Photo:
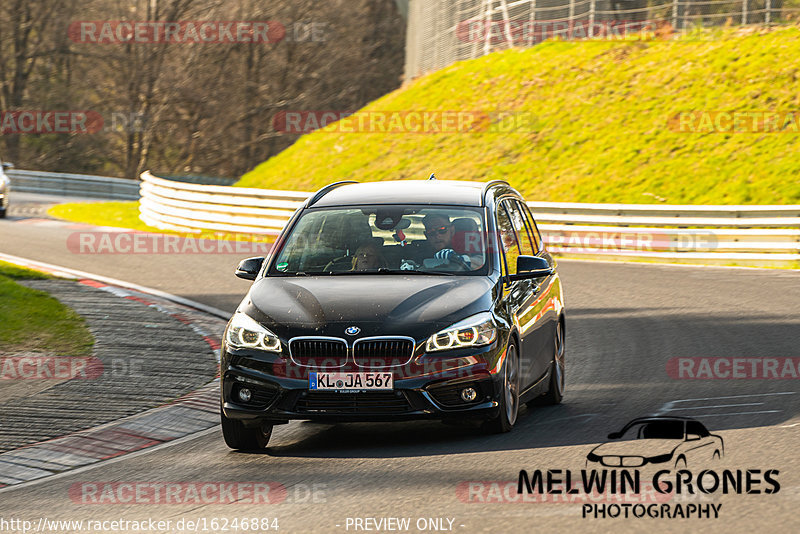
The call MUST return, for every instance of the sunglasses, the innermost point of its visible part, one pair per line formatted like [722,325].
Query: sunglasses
[441,230]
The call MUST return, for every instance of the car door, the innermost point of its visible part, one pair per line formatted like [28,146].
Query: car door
[549,287]
[522,296]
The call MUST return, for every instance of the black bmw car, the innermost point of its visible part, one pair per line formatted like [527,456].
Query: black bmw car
[394,301]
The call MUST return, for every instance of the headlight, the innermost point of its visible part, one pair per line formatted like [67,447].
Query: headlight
[476,331]
[660,459]
[244,333]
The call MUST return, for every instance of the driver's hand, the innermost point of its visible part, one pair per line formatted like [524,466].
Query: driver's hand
[409,265]
[451,255]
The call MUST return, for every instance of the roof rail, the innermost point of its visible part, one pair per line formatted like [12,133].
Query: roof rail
[325,190]
[492,183]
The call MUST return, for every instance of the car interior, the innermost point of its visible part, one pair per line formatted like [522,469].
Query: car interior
[364,239]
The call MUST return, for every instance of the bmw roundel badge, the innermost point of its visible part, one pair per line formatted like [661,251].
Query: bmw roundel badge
[352,330]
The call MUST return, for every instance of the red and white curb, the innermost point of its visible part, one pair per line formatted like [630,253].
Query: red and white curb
[194,412]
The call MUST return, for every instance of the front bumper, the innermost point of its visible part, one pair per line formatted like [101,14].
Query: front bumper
[428,392]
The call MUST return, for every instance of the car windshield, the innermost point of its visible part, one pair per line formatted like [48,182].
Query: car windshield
[385,239]
[656,430]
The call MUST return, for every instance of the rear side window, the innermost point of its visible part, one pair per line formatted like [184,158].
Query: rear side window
[537,239]
[508,240]
[520,227]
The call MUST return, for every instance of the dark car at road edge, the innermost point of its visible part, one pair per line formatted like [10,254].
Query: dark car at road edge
[4,187]
[394,301]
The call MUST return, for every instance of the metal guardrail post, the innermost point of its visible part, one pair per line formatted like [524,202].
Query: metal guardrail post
[675,14]
[768,12]
[744,12]
[571,23]
[591,18]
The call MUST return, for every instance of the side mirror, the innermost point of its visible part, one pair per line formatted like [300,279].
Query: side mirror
[529,267]
[249,268]
[615,435]
[8,165]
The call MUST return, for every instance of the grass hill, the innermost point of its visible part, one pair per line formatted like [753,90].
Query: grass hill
[600,129]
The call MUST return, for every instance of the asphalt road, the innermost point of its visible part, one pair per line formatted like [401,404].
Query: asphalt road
[625,322]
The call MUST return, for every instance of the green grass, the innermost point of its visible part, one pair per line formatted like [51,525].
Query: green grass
[117,214]
[600,130]
[126,215]
[32,320]
[15,272]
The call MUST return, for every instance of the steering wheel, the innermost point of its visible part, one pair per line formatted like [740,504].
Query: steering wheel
[454,260]
[460,263]
[342,263]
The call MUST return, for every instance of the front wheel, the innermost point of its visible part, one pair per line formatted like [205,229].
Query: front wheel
[239,437]
[509,398]
[2,213]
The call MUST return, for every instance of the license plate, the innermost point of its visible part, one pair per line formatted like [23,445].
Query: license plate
[350,381]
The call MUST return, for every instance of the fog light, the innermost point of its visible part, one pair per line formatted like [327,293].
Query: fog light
[245,394]
[468,394]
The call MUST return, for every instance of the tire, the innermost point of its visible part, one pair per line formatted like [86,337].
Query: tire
[680,463]
[555,391]
[3,213]
[509,400]
[239,437]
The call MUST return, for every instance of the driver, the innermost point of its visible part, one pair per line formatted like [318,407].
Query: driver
[439,234]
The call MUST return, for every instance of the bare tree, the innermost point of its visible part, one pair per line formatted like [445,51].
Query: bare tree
[198,108]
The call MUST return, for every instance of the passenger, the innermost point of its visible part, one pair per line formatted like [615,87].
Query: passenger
[369,258]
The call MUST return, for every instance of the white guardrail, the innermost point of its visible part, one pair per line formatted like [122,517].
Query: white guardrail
[764,234]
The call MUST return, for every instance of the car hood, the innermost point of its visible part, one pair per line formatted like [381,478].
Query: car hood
[637,447]
[410,305]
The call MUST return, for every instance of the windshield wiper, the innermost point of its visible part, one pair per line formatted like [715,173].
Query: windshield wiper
[384,270]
